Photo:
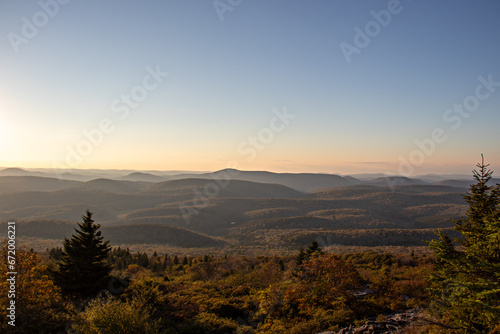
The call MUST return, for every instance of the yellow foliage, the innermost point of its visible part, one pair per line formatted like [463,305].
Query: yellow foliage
[104,316]
[35,293]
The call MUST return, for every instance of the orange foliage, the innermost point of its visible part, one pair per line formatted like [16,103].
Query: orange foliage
[35,293]
[324,281]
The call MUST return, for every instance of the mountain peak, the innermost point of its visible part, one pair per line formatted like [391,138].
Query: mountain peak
[14,171]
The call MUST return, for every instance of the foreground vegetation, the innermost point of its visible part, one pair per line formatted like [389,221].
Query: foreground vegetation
[228,294]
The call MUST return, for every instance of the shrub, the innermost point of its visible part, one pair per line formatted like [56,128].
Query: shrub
[112,316]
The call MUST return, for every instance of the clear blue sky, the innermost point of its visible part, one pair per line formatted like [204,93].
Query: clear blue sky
[225,78]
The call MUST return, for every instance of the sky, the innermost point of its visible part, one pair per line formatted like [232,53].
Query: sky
[400,87]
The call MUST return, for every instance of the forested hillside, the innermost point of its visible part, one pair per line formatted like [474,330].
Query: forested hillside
[236,211]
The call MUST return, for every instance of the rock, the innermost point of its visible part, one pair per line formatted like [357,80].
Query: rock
[394,324]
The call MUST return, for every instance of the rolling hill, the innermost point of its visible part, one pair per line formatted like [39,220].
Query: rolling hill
[230,188]
[14,172]
[144,234]
[222,207]
[392,181]
[143,177]
[113,186]
[465,183]
[21,172]
[16,184]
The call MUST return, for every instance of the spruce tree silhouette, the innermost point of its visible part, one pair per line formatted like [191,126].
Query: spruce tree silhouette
[82,270]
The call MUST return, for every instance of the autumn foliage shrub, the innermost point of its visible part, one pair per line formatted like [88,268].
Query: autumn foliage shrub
[38,303]
[112,316]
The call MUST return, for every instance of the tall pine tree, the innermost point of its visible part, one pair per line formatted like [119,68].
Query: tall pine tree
[466,280]
[82,270]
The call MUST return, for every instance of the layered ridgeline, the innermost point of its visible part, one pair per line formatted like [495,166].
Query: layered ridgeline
[233,207]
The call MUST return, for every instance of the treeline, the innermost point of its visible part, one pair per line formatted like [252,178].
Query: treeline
[371,237]
[122,258]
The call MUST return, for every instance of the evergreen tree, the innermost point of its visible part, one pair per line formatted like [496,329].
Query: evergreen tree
[55,253]
[166,261]
[466,279]
[314,249]
[156,267]
[143,259]
[300,257]
[281,264]
[83,270]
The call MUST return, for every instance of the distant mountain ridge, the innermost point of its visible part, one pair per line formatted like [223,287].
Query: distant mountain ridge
[19,172]
[90,174]
[144,177]
[13,184]
[299,181]
[304,182]
[226,188]
[114,186]
[393,181]
[465,183]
